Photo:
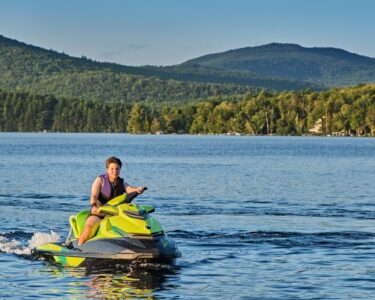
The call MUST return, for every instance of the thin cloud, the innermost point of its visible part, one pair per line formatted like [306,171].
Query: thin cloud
[135,46]
[112,54]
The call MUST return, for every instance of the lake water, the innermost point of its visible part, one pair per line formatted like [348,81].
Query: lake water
[255,217]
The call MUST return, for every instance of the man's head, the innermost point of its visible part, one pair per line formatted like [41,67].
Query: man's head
[113,160]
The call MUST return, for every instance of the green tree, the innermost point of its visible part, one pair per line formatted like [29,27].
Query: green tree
[138,120]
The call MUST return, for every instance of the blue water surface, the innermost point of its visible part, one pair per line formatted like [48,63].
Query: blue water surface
[255,217]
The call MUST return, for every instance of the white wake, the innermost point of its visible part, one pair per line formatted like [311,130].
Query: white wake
[16,247]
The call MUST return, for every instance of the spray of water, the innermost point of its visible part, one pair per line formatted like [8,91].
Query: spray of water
[40,238]
[16,247]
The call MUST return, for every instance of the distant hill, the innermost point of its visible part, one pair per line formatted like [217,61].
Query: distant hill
[274,66]
[30,68]
[324,66]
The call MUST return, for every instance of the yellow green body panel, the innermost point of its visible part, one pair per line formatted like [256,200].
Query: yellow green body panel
[63,260]
[69,261]
[148,208]
[117,200]
[109,210]
[52,247]
[78,221]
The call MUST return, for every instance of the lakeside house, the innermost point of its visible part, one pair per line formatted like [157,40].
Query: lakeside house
[317,128]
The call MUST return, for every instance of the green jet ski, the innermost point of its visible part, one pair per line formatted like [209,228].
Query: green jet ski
[128,233]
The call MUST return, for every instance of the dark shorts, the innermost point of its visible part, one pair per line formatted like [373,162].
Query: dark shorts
[96,215]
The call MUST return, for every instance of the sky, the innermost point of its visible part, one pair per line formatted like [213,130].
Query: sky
[167,32]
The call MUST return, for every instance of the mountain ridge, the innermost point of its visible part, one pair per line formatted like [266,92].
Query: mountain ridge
[327,66]
[274,66]
[32,68]
[278,46]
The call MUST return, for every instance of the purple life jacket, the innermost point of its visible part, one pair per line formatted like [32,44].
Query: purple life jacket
[109,191]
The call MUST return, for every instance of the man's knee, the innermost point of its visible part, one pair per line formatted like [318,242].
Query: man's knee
[92,220]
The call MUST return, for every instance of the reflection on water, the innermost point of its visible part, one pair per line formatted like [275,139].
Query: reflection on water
[118,286]
[118,282]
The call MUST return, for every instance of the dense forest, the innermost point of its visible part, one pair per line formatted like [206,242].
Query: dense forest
[346,111]
[28,68]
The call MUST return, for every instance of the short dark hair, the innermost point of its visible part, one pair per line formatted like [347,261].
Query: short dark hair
[113,159]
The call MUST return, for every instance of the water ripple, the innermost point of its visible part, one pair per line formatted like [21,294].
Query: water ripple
[282,239]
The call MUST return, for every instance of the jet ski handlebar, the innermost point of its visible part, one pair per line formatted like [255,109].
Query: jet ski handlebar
[130,196]
[124,198]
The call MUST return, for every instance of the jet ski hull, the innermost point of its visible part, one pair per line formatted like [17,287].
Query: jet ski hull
[115,250]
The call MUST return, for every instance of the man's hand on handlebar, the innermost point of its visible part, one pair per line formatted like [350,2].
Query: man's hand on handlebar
[141,189]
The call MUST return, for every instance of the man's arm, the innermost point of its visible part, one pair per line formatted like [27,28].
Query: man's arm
[95,190]
[130,189]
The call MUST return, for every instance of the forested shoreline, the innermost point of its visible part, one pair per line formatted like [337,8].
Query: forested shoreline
[344,111]
[235,92]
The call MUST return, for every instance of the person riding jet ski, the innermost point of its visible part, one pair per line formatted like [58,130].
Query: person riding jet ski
[114,231]
[104,188]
